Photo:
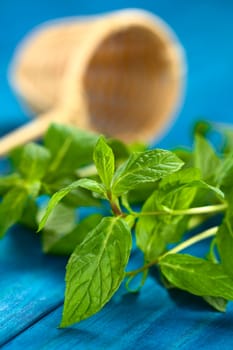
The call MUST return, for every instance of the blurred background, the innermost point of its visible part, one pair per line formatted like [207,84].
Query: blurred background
[205,29]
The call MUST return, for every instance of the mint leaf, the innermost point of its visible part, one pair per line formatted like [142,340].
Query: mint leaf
[9,181]
[202,128]
[11,208]
[225,242]
[58,196]
[144,167]
[96,269]
[181,177]
[33,161]
[78,197]
[224,173]
[228,140]
[141,193]
[104,161]
[61,221]
[81,197]
[63,242]
[220,304]
[120,150]
[215,190]
[205,159]
[186,155]
[70,148]
[154,232]
[29,214]
[197,276]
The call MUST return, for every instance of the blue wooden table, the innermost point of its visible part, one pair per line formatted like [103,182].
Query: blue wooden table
[31,284]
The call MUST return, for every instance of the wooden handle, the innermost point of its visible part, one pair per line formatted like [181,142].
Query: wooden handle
[31,131]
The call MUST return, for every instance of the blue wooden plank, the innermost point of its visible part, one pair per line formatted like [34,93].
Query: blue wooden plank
[150,320]
[31,283]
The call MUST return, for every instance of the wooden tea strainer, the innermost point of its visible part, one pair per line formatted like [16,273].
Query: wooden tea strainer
[120,74]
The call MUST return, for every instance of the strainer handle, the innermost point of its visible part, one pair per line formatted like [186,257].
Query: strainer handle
[31,131]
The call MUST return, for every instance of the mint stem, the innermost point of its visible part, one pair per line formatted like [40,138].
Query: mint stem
[114,204]
[201,236]
[191,211]
[189,242]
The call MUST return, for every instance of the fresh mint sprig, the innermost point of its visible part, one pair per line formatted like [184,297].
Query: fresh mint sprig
[176,191]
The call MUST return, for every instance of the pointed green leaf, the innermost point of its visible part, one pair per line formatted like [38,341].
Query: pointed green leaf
[9,181]
[29,214]
[33,161]
[220,304]
[58,196]
[120,150]
[228,140]
[154,232]
[225,242]
[224,173]
[197,276]
[96,269]
[205,158]
[144,167]
[70,148]
[104,161]
[63,241]
[11,208]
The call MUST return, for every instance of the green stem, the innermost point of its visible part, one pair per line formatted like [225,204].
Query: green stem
[114,203]
[116,209]
[189,242]
[203,235]
[191,211]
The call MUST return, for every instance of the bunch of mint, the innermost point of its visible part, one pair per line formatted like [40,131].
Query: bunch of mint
[173,192]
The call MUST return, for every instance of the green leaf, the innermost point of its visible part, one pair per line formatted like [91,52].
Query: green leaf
[63,242]
[70,148]
[130,220]
[58,196]
[104,161]
[78,197]
[11,208]
[225,242]
[197,276]
[144,167]
[185,155]
[215,190]
[9,181]
[33,161]
[138,147]
[224,173]
[154,232]
[183,177]
[220,304]
[61,221]
[96,269]
[205,159]
[228,140]
[29,214]
[202,127]
[120,150]
[81,197]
